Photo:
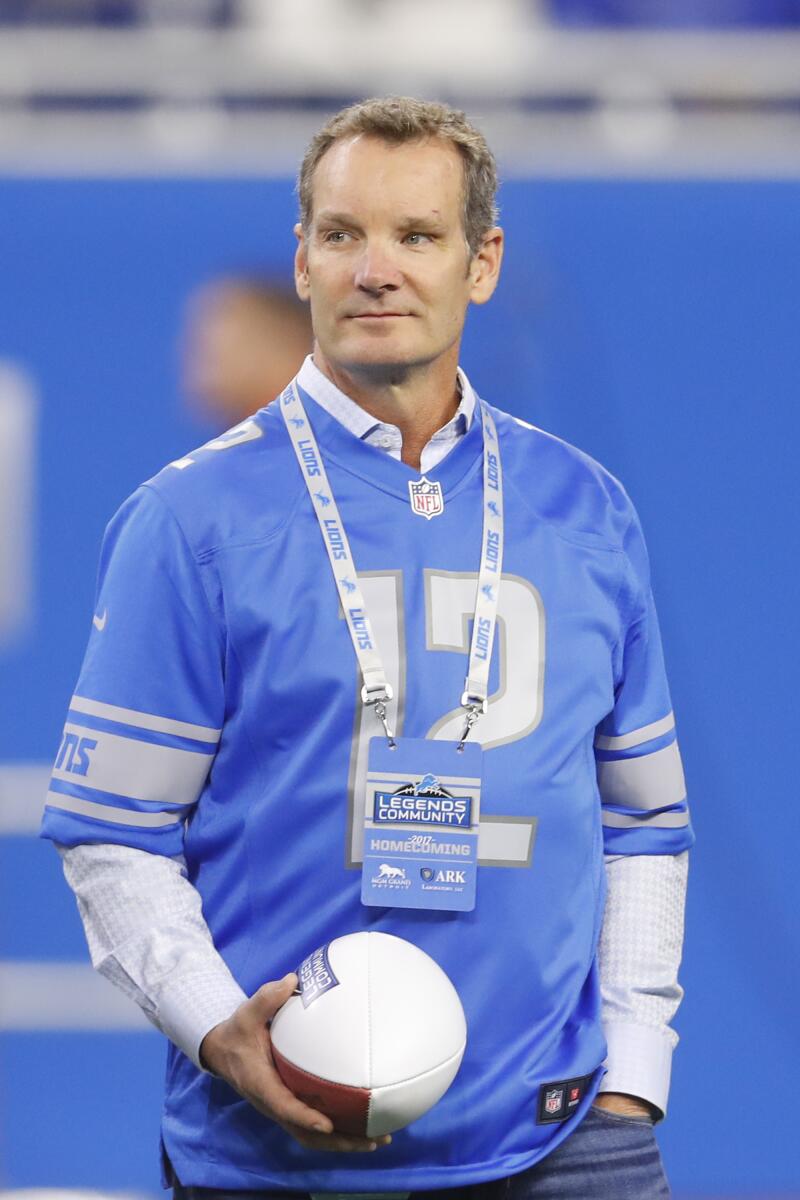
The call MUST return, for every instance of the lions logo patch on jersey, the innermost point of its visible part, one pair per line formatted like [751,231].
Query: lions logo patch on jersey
[427,499]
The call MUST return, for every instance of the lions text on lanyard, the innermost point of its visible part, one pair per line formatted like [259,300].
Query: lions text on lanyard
[414,785]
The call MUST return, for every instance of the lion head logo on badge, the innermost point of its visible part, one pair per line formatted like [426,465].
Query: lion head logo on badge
[428,786]
[426,496]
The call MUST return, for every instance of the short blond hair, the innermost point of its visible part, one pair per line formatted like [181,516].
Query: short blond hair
[399,119]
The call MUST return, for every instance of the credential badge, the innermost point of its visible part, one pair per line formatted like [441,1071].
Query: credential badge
[426,497]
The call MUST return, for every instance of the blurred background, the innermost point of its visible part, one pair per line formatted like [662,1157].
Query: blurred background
[650,152]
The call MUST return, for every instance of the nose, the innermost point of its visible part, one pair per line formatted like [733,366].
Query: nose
[376,271]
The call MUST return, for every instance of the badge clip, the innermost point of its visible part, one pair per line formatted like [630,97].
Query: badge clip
[476,705]
[383,693]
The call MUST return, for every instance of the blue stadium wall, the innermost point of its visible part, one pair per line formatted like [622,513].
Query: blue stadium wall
[655,325]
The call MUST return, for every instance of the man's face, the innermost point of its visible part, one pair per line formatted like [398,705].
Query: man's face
[385,263]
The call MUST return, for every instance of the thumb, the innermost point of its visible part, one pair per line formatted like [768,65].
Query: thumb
[272,996]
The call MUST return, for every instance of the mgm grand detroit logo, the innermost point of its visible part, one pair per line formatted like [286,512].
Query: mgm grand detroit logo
[423,803]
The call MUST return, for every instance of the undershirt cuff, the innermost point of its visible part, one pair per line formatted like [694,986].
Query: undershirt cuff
[639,1062]
[190,1005]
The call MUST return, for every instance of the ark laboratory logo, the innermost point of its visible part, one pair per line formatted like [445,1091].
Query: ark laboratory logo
[443,875]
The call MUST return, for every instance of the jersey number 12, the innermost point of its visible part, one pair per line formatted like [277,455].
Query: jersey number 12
[514,711]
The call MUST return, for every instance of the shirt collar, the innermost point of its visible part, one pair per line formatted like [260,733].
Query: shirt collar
[360,423]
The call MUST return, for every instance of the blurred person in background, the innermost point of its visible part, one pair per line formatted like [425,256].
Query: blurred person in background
[244,339]
[210,794]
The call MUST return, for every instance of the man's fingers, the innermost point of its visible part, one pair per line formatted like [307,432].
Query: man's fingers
[342,1143]
[267,1092]
[307,1125]
[272,996]
[291,1111]
[247,1064]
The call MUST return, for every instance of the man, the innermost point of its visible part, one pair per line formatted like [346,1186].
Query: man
[212,797]
[244,339]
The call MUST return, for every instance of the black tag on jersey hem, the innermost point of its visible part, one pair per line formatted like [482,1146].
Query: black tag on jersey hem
[559,1100]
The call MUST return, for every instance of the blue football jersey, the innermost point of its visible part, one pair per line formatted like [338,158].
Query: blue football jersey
[218,715]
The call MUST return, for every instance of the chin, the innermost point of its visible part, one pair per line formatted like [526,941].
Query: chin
[381,353]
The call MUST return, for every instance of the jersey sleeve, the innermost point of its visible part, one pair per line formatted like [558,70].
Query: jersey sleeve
[639,770]
[144,723]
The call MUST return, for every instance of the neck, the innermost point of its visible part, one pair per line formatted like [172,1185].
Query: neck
[418,400]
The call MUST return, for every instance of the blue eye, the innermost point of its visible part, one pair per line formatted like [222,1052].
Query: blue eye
[415,239]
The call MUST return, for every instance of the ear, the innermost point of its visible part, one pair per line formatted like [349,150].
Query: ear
[301,264]
[484,269]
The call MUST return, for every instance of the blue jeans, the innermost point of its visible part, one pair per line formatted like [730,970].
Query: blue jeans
[608,1157]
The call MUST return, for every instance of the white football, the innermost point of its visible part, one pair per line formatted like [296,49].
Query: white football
[376,1035]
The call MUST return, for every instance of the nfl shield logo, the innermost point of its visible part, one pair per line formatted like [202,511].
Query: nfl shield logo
[553,1100]
[426,498]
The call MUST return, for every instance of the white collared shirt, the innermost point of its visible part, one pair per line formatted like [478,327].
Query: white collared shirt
[379,434]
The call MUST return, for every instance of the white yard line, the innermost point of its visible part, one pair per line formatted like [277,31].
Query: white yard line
[68,997]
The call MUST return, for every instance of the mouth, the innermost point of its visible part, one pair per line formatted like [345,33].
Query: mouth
[377,316]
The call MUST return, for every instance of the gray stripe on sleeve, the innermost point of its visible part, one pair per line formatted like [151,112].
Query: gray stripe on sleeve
[667,820]
[143,720]
[117,816]
[636,736]
[650,781]
[140,770]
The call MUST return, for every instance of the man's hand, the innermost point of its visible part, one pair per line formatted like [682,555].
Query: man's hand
[625,1106]
[239,1051]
